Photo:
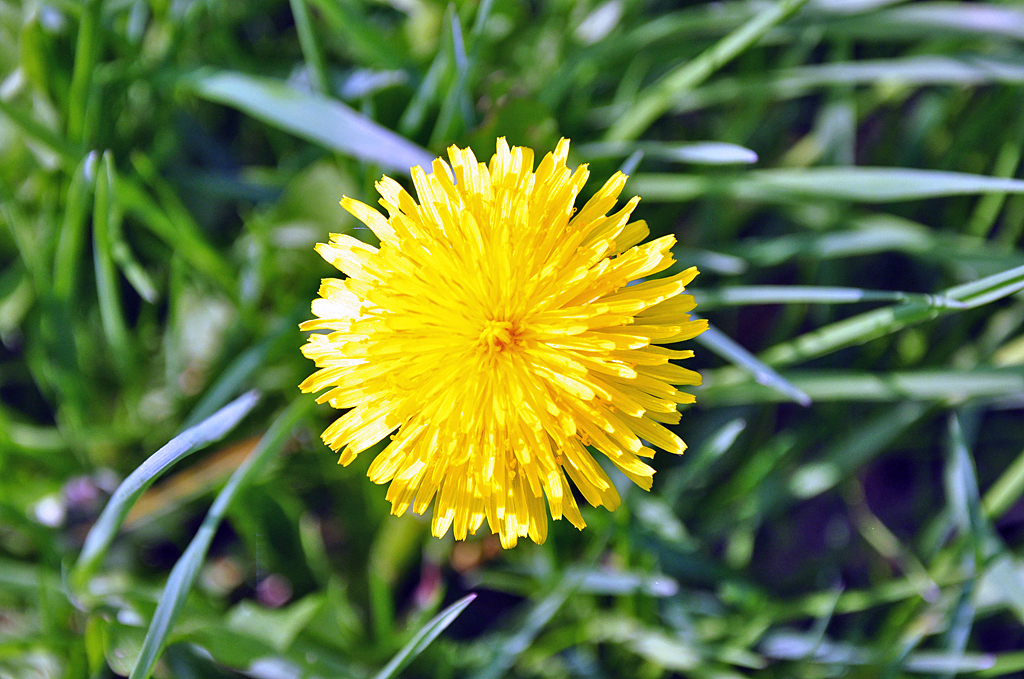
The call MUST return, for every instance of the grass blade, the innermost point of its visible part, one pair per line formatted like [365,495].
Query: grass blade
[182,445]
[424,637]
[809,294]
[539,616]
[183,237]
[658,99]
[310,48]
[698,153]
[855,184]
[841,385]
[1007,489]
[72,230]
[310,116]
[911,71]
[880,322]
[104,223]
[720,343]
[185,571]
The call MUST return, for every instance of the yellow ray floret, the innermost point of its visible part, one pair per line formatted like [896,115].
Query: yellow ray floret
[495,337]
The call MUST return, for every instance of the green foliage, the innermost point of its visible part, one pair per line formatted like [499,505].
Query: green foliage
[845,173]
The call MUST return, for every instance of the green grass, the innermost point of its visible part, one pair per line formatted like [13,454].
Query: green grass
[846,175]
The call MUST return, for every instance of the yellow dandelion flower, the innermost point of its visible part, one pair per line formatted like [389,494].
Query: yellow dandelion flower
[495,333]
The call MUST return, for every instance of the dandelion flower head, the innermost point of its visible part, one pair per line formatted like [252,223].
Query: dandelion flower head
[495,336]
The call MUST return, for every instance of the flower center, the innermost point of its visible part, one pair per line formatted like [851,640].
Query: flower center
[497,336]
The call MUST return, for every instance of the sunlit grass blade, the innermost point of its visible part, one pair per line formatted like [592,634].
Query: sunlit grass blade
[105,529]
[105,216]
[855,184]
[73,228]
[309,116]
[809,294]
[880,322]
[454,103]
[658,98]
[87,46]
[185,571]
[540,614]
[1007,489]
[424,637]
[697,153]
[931,19]
[839,385]
[241,370]
[964,499]
[800,646]
[701,459]
[310,48]
[910,71]
[33,129]
[723,345]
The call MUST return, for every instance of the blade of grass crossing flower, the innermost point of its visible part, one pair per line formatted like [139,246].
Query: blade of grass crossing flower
[855,184]
[72,229]
[723,345]
[185,571]
[880,322]
[424,637]
[105,214]
[310,48]
[309,116]
[657,99]
[105,529]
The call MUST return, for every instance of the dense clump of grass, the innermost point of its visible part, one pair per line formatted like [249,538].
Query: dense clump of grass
[843,172]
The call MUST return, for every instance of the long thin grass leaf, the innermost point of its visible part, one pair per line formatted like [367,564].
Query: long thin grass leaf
[855,184]
[880,322]
[105,214]
[720,343]
[911,71]
[105,529]
[242,368]
[87,46]
[808,294]
[185,571]
[73,227]
[1007,489]
[182,236]
[310,48]
[658,98]
[839,385]
[698,153]
[310,116]
[424,637]
[540,615]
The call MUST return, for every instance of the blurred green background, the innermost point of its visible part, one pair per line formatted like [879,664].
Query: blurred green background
[841,171]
